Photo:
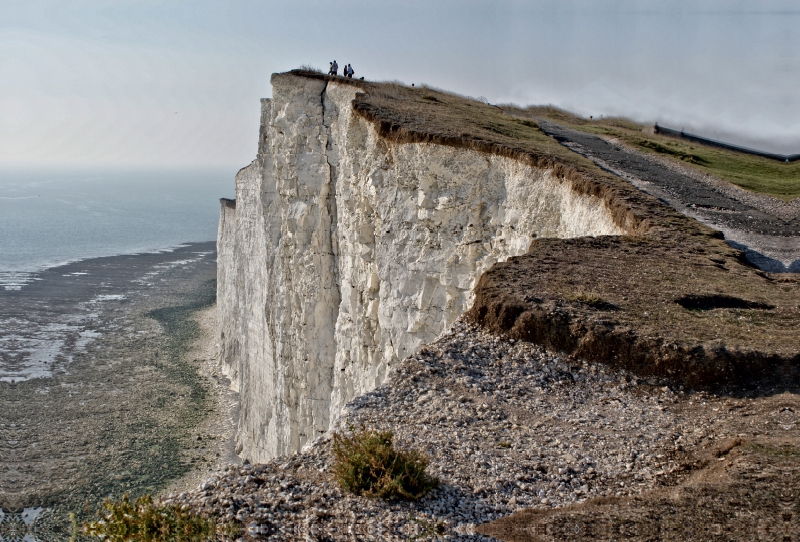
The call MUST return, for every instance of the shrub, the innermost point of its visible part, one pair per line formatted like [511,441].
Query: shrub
[366,463]
[145,521]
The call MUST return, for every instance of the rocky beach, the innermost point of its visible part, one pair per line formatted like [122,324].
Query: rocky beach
[107,385]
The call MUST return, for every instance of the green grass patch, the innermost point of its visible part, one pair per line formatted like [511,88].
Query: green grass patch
[754,173]
[367,463]
[669,149]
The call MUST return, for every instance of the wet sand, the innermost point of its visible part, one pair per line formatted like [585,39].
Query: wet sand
[108,385]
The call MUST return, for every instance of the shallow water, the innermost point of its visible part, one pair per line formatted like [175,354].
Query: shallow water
[95,397]
[49,217]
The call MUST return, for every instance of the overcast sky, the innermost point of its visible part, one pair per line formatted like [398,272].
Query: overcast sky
[177,83]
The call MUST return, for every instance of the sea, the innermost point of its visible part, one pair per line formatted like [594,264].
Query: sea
[49,217]
[80,249]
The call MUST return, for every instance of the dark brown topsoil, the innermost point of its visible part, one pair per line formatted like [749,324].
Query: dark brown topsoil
[691,312]
[742,488]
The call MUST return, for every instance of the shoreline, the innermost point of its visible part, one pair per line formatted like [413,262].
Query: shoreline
[37,270]
[217,432]
[99,395]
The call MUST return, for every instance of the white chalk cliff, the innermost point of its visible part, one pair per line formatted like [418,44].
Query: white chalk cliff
[345,252]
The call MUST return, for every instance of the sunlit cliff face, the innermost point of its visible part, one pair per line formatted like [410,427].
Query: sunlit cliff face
[344,253]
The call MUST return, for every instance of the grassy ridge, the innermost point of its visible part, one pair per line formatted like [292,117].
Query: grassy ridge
[750,172]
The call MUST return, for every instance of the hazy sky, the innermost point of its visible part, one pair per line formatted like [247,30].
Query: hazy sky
[174,83]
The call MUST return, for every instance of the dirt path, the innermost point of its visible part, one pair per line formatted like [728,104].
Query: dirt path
[766,229]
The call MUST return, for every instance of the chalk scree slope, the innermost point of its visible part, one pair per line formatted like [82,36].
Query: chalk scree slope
[345,252]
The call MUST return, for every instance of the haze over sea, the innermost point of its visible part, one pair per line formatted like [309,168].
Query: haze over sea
[80,342]
[50,217]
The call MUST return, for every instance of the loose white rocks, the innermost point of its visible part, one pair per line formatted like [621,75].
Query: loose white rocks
[506,425]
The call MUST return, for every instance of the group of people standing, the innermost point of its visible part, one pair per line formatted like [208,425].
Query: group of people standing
[346,72]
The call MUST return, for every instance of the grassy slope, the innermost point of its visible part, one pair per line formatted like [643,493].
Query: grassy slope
[747,171]
[405,114]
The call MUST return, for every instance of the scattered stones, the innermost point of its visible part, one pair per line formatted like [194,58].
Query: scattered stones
[507,426]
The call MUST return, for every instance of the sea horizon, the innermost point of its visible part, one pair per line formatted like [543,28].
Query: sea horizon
[56,216]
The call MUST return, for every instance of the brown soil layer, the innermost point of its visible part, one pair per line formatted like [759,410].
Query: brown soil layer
[740,489]
[688,311]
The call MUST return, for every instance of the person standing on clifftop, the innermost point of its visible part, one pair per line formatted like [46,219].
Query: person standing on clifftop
[330,68]
[335,68]
[349,71]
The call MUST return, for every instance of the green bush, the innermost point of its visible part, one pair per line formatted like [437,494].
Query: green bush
[145,521]
[366,463]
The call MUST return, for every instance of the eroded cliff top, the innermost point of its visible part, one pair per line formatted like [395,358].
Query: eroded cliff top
[670,300]
[404,114]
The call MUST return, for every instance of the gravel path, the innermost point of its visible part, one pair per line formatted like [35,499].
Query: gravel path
[765,228]
[507,426]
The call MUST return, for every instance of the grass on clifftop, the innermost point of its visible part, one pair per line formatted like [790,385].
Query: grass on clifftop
[754,173]
[403,114]
[407,114]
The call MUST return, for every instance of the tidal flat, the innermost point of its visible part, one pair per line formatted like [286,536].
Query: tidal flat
[101,389]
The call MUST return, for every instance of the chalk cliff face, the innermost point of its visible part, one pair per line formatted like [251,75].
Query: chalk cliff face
[345,252]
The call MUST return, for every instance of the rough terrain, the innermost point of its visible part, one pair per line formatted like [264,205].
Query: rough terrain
[510,427]
[694,313]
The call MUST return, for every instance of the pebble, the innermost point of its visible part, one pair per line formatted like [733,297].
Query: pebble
[506,426]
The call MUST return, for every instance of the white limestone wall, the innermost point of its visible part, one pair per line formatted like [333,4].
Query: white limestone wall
[227,298]
[352,252]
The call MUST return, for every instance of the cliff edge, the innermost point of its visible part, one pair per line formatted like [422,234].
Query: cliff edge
[361,229]
[346,251]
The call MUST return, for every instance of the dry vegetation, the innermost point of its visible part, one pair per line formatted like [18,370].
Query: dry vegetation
[144,520]
[367,463]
